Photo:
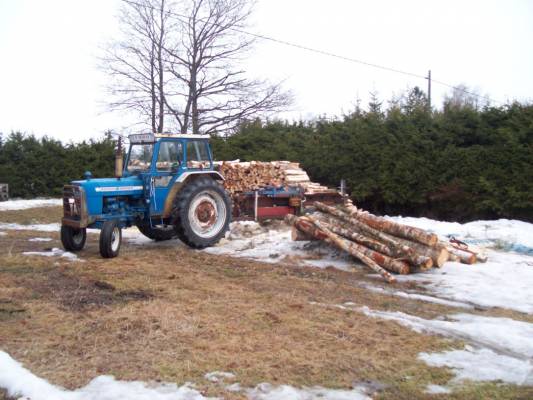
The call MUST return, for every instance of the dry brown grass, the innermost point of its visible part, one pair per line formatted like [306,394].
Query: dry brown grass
[41,215]
[173,314]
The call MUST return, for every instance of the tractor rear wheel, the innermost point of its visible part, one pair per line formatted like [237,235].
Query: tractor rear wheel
[201,213]
[157,234]
[110,239]
[73,239]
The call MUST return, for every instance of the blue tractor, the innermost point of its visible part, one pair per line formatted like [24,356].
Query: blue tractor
[167,187]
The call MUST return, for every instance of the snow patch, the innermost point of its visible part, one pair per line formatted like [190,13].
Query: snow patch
[20,204]
[234,387]
[504,346]
[40,239]
[32,227]
[18,381]
[505,280]
[54,252]
[437,389]
[218,376]
[266,391]
[247,239]
[416,296]
[503,335]
[482,365]
[502,234]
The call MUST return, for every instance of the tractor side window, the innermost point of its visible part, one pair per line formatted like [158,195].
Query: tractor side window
[140,157]
[170,156]
[197,154]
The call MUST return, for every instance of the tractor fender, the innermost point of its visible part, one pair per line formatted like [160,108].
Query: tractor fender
[180,183]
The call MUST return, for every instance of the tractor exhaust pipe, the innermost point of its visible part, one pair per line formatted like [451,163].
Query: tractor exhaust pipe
[119,160]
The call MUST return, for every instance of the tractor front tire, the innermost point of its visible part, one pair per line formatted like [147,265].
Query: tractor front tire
[73,239]
[201,213]
[157,234]
[110,239]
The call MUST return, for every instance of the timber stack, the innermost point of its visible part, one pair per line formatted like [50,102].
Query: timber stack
[253,175]
[383,245]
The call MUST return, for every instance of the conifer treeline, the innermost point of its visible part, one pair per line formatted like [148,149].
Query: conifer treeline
[458,163]
[40,167]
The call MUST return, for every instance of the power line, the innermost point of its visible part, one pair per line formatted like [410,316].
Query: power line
[327,53]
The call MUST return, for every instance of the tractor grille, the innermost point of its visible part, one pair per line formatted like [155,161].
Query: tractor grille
[73,199]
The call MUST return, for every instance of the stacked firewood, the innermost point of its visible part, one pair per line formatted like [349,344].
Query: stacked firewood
[383,245]
[253,175]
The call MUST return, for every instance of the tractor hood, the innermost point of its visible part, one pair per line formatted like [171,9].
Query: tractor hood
[130,185]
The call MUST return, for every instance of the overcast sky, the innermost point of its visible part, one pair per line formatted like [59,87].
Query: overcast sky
[50,84]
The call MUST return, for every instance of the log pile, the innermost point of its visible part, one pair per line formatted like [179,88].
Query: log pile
[253,175]
[383,245]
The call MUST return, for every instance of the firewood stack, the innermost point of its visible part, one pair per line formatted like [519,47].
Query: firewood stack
[384,246]
[253,175]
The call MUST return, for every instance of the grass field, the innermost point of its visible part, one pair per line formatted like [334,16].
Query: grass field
[168,313]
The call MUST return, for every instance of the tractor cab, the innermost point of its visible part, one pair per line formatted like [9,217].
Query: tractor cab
[161,161]
[167,187]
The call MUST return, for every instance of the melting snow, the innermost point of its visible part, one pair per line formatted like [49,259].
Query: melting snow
[40,239]
[482,365]
[53,252]
[505,280]
[25,204]
[416,296]
[266,391]
[218,376]
[504,347]
[18,381]
[33,227]
[502,234]
[249,240]
[437,389]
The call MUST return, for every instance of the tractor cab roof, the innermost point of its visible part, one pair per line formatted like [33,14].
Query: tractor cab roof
[152,137]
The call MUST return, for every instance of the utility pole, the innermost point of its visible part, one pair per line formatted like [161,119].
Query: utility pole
[429,89]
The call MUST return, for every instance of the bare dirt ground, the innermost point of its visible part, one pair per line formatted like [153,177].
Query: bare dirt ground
[168,313]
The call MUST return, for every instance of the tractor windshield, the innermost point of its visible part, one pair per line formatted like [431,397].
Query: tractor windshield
[140,157]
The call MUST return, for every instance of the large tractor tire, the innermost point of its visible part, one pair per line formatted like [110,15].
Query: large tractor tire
[157,234]
[73,239]
[110,239]
[201,213]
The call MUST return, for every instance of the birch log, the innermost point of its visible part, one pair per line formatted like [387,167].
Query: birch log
[392,249]
[464,257]
[312,227]
[400,249]
[438,254]
[393,228]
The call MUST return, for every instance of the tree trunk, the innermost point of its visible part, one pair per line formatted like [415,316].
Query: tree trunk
[314,228]
[400,230]
[392,250]
[161,99]
[400,249]
[300,236]
[439,255]
[465,257]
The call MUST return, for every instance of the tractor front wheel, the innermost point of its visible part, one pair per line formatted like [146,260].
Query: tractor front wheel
[202,213]
[110,239]
[73,239]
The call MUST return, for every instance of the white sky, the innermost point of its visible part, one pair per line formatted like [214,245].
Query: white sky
[49,83]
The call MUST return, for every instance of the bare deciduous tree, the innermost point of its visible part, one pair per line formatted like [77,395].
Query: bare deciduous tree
[215,93]
[136,63]
[179,66]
